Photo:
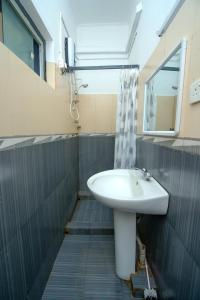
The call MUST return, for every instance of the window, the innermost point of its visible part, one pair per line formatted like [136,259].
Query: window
[1,24]
[21,36]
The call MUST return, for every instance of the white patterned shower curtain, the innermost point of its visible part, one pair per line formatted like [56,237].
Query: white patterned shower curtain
[151,107]
[125,141]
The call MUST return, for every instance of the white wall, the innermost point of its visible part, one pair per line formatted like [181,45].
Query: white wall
[93,39]
[105,43]
[94,42]
[153,15]
[49,11]
[97,38]
[100,81]
[164,81]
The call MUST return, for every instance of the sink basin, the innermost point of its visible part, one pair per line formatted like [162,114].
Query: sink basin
[127,190]
[128,193]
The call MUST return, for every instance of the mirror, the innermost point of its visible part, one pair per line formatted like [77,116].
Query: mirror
[163,95]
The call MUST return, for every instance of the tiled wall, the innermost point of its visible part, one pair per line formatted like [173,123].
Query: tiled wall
[97,113]
[173,241]
[96,154]
[38,186]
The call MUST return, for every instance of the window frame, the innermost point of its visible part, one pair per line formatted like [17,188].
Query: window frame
[30,25]
[1,23]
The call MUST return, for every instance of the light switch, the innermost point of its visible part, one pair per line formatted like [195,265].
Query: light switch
[195,92]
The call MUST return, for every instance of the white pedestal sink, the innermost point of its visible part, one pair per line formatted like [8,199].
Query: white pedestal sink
[128,193]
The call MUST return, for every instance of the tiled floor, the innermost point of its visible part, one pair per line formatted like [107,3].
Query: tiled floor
[85,270]
[91,217]
[85,265]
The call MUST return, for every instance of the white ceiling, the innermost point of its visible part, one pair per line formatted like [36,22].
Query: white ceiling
[102,11]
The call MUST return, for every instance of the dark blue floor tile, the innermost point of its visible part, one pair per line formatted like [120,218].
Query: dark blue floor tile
[91,217]
[85,268]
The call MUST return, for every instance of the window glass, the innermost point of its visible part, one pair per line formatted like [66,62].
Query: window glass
[18,38]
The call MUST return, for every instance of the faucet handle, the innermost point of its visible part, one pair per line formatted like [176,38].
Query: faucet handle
[147,176]
[144,170]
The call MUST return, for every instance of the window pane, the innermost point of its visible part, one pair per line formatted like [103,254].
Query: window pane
[36,49]
[1,24]
[16,35]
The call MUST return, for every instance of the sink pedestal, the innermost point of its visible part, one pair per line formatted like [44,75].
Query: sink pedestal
[125,243]
[127,193]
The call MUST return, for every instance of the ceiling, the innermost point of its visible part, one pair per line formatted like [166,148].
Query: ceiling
[102,11]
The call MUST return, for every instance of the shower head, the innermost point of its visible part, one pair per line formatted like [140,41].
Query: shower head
[81,86]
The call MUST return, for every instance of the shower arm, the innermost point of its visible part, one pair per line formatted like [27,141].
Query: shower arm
[77,90]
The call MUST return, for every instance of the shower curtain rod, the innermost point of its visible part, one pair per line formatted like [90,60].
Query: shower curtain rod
[103,67]
[173,69]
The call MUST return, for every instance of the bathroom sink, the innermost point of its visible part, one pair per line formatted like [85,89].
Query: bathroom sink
[128,193]
[127,190]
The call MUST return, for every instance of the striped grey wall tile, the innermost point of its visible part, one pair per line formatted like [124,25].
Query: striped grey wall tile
[97,134]
[38,190]
[96,154]
[173,241]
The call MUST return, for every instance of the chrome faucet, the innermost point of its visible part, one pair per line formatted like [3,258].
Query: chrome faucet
[146,175]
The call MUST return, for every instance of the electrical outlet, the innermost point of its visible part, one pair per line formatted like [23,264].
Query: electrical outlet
[195,92]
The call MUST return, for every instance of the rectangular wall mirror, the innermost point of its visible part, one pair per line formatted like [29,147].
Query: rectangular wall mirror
[163,95]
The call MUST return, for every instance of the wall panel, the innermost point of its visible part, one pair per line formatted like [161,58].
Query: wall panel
[38,190]
[173,240]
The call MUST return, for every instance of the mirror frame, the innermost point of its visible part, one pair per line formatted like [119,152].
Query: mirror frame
[183,46]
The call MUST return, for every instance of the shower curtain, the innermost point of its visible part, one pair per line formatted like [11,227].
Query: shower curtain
[125,141]
[151,107]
